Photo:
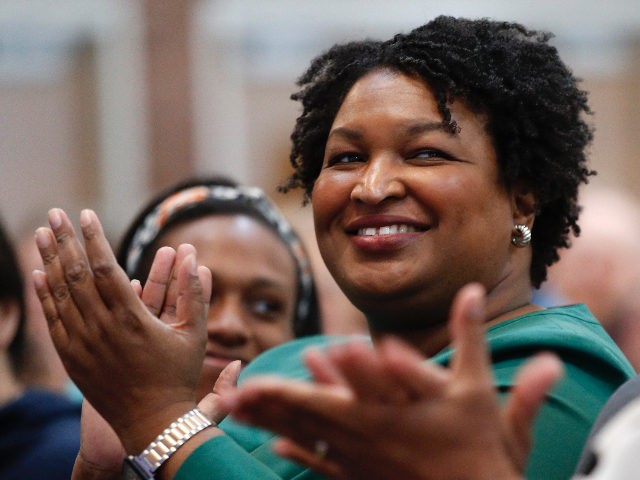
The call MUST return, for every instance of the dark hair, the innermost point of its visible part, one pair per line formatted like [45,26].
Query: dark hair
[12,290]
[535,110]
[197,197]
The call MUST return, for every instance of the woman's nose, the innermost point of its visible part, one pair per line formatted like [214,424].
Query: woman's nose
[378,181]
[226,323]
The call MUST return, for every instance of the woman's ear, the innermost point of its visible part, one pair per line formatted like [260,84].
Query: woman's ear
[9,321]
[523,204]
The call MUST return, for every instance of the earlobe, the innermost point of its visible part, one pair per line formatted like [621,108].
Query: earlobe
[9,321]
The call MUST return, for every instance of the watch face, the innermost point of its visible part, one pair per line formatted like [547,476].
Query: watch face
[133,470]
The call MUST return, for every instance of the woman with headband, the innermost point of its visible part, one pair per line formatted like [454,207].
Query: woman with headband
[263,292]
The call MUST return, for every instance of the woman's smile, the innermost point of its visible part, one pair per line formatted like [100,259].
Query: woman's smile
[384,233]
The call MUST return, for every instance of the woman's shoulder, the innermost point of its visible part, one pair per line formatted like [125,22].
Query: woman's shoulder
[571,331]
[565,323]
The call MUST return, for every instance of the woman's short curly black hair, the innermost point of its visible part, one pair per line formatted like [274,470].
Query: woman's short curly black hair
[512,75]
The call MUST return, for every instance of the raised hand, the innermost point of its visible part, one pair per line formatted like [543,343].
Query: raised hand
[387,413]
[137,370]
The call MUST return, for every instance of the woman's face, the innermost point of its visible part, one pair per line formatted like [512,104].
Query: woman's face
[254,288]
[405,211]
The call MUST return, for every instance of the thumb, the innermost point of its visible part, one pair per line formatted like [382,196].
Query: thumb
[533,382]
[211,405]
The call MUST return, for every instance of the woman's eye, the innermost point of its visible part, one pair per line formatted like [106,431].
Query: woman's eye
[265,308]
[429,154]
[345,158]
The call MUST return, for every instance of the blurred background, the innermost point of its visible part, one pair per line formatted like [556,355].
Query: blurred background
[103,102]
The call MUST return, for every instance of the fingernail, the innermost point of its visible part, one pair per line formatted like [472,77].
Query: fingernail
[476,304]
[85,218]
[38,278]
[55,220]
[193,268]
[42,238]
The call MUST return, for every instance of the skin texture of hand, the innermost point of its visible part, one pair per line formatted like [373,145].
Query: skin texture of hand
[101,452]
[388,414]
[137,369]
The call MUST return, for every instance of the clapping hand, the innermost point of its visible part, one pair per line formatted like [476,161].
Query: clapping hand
[138,366]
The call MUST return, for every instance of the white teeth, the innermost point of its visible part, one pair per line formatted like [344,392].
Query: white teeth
[386,230]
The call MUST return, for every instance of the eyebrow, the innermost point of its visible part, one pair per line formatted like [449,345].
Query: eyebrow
[415,128]
[262,282]
[255,282]
[424,127]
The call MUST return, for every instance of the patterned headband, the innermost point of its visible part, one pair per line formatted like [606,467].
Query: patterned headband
[252,197]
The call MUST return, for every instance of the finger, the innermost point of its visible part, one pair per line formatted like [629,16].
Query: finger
[54,321]
[137,287]
[204,275]
[212,405]
[110,279]
[417,377]
[533,382]
[173,289]
[276,404]
[192,306]
[471,359]
[322,369]
[289,449]
[362,368]
[227,381]
[67,272]
[155,288]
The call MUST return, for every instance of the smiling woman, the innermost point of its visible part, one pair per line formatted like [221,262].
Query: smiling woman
[447,156]
[391,165]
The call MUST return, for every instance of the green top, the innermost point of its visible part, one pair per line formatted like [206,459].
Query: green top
[594,367]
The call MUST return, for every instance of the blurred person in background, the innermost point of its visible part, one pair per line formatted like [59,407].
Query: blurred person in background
[263,291]
[40,428]
[602,267]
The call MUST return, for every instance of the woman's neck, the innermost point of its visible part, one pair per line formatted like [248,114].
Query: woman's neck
[432,338]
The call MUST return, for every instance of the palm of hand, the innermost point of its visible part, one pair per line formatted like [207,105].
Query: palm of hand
[139,371]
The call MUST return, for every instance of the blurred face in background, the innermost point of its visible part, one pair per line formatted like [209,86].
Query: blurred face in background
[254,292]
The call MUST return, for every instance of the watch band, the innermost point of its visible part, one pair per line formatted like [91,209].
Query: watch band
[172,438]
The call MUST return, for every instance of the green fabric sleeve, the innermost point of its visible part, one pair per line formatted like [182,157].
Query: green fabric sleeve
[222,458]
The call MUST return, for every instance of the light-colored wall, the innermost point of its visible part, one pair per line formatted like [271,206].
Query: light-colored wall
[79,138]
